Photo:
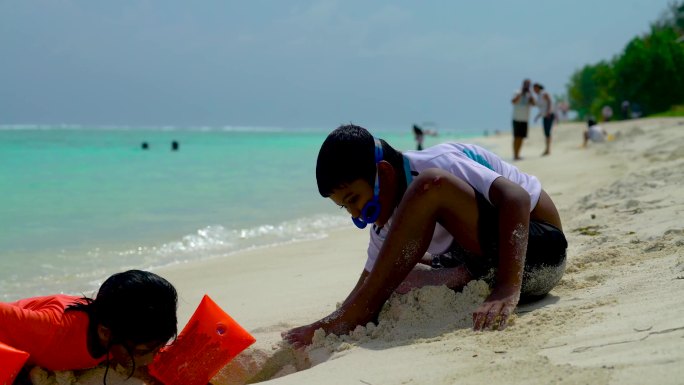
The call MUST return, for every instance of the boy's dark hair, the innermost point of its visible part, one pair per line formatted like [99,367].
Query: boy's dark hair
[591,122]
[348,154]
[541,87]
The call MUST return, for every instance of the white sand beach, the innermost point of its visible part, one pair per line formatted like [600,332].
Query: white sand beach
[617,317]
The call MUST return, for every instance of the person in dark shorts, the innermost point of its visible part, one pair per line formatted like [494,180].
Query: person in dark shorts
[545,105]
[522,101]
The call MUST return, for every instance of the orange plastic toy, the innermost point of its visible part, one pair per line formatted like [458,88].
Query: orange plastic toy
[11,362]
[207,343]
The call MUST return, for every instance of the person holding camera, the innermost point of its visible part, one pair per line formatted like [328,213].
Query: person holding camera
[522,101]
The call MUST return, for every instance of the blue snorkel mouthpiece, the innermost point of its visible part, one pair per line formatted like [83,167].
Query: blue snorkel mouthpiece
[369,214]
[371,210]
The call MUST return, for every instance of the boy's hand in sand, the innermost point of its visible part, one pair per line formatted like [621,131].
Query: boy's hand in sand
[301,336]
[496,309]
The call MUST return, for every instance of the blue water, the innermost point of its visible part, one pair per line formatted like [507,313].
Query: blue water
[79,203]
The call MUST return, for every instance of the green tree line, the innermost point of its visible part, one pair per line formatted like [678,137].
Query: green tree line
[649,73]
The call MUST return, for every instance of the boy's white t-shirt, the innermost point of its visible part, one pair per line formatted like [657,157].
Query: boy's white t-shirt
[472,163]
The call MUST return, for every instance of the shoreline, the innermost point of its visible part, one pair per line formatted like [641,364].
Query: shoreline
[211,276]
[85,229]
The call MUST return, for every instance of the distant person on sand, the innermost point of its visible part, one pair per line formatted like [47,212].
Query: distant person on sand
[419,135]
[625,109]
[545,106]
[607,113]
[451,200]
[562,109]
[522,101]
[174,146]
[144,146]
[130,319]
[594,133]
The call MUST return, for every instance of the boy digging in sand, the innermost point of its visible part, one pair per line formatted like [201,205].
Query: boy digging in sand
[480,217]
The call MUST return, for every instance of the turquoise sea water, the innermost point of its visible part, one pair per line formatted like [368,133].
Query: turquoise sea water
[79,203]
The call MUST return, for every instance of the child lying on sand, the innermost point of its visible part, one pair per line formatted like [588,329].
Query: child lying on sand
[130,319]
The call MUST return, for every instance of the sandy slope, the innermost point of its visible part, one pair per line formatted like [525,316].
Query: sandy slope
[617,315]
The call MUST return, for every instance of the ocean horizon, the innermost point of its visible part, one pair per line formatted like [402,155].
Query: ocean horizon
[82,202]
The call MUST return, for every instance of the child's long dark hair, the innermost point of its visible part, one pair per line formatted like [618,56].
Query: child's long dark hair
[138,307]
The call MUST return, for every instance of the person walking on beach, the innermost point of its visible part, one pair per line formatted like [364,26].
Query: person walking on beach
[478,216]
[419,136]
[522,101]
[545,106]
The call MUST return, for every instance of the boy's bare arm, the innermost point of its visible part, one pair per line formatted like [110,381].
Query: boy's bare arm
[302,335]
[513,204]
[360,282]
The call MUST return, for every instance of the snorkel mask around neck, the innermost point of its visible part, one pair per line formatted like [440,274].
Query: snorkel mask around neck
[371,210]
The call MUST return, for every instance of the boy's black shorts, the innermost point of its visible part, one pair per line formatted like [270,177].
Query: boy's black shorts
[544,262]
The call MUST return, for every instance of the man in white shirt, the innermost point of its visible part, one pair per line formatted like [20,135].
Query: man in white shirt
[522,101]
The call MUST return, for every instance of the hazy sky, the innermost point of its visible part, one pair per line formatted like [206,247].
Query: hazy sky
[297,64]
